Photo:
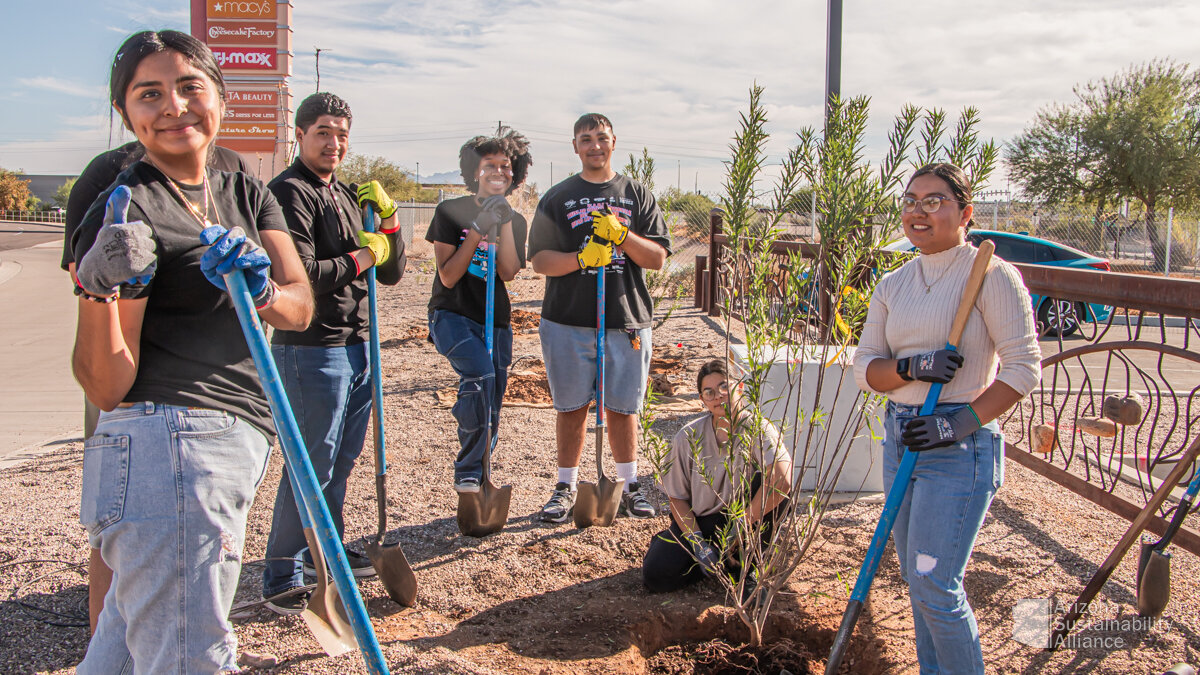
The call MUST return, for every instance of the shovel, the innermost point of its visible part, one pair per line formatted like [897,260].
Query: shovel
[389,562]
[314,513]
[1154,563]
[895,497]
[596,503]
[484,512]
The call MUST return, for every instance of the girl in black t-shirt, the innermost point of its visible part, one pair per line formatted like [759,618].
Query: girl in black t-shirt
[171,471]
[460,230]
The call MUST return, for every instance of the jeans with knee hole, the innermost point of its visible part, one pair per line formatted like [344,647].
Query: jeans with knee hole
[166,492]
[329,389]
[935,530]
[482,382]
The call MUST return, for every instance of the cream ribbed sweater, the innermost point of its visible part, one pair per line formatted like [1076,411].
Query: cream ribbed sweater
[905,320]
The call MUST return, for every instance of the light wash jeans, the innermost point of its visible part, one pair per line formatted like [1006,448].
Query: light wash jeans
[329,389]
[935,530]
[166,491]
[481,382]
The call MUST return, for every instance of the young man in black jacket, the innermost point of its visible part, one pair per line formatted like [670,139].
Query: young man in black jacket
[325,368]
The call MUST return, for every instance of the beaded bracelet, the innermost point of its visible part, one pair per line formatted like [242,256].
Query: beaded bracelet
[102,299]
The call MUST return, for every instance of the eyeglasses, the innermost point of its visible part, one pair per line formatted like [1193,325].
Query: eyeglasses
[930,204]
[708,393]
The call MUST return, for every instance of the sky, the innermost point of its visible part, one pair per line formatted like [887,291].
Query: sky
[423,77]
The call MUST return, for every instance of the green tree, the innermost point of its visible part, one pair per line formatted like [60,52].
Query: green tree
[14,191]
[1135,135]
[641,169]
[395,179]
[63,193]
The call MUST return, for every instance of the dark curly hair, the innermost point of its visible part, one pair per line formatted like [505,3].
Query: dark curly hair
[506,142]
[321,103]
[955,178]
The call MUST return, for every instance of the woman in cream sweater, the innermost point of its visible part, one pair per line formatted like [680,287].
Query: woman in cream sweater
[961,464]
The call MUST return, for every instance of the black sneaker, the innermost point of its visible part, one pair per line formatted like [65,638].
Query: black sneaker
[558,509]
[288,603]
[468,485]
[360,565]
[635,505]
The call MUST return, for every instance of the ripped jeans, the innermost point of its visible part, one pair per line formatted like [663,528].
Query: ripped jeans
[166,492]
[481,382]
[935,530]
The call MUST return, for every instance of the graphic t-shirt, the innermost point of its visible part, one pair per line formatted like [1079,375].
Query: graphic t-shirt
[193,351]
[450,223]
[563,223]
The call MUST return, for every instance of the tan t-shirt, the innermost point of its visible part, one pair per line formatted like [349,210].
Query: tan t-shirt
[699,471]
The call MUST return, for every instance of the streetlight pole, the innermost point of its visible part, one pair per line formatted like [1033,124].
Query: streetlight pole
[833,57]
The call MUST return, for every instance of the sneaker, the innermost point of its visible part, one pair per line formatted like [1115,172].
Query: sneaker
[360,565]
[468,485]
[558,509]
[635,505]
[288,603]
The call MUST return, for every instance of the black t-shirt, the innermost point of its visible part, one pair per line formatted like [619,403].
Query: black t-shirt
[103,170]
[324,220]
[193,351]
[563,223]
[450,222]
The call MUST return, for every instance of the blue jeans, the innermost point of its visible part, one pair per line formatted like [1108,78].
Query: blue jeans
[481,383]
[166,492]
[935,530]
[329,389]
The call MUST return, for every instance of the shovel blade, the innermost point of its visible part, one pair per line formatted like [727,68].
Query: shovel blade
[484,512]
[393,569]
[325,614]
[597,503]
[1154,588]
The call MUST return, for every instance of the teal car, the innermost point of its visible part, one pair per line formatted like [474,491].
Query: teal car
[1057,317]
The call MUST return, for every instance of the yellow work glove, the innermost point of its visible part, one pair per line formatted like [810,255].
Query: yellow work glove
[606,225]
[373,193]
[381,250]
[595,254]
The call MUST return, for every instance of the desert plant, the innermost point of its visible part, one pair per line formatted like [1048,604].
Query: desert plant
[859,212]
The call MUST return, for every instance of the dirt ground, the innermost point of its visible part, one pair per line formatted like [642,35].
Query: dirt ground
[551,599]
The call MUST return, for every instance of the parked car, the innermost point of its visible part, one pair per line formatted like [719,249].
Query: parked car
[1057,316]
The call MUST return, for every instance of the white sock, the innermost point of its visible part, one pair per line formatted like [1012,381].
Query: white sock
[569,475]
[627,471]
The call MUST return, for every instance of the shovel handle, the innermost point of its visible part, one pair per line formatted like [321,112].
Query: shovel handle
[376,360]
[311,504]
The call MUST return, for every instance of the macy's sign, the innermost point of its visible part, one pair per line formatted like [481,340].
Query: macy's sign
[242,8]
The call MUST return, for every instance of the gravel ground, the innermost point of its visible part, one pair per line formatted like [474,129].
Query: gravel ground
[541,598]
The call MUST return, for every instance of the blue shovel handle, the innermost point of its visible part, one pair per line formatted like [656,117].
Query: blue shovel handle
[312,505]
[600,328]
[376,361]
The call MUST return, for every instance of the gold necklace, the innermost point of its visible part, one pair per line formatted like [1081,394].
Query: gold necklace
[177,190]
[921,271]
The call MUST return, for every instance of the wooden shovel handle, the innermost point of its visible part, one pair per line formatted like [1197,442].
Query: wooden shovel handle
[983,257]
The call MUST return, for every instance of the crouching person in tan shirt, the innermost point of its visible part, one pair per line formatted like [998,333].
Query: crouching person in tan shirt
[704,469]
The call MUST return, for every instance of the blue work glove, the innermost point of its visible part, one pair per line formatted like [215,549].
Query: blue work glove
[495,211]
[928,432]
[936,366]
[230,250]
[706,556]
[121,255]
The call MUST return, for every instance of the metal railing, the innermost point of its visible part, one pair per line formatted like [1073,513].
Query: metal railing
[33,216]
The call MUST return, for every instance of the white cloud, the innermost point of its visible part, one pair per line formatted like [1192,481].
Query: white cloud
[59,85]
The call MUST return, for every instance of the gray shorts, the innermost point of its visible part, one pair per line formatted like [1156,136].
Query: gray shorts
[570,355]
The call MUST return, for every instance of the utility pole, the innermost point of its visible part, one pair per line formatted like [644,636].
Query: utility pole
[418,174]
[318,60]
[696,185]
[833,56]
[552,173]
[678,176]
[499,127]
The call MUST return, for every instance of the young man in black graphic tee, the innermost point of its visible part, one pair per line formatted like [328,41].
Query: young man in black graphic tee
[597,220]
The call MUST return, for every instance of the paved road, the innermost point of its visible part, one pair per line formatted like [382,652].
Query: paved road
[41,405]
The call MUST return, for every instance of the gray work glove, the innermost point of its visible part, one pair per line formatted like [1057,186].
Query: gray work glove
[939,430]
[936,366]
[707,556]
[495,211]
[123,252]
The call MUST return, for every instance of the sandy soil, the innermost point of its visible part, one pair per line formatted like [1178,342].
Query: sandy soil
[539,598]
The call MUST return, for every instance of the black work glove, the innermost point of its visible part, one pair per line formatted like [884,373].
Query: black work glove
[939,430]
[707,556]
[495,211]
[936,366]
